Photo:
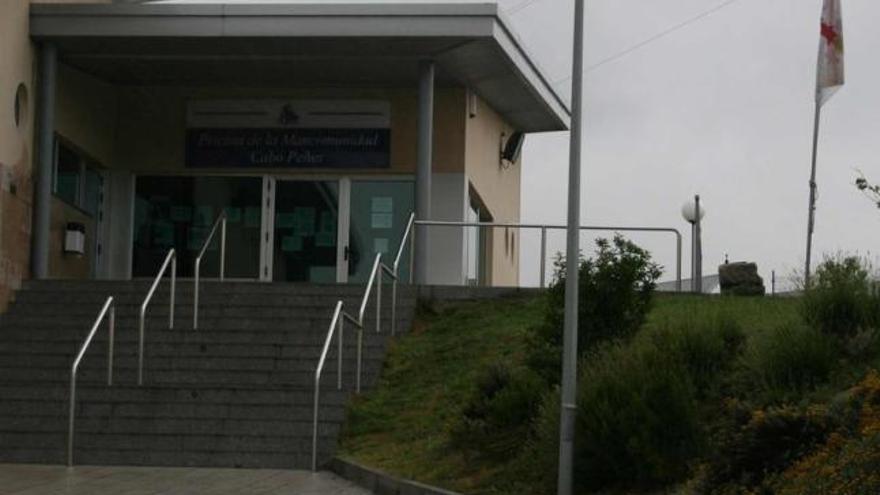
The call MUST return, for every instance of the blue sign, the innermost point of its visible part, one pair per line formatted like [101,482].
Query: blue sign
[288,148]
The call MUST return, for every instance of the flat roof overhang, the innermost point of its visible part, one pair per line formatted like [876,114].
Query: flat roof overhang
[286,44]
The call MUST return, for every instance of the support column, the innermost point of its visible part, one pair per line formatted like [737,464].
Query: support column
[423,167]
[45,157]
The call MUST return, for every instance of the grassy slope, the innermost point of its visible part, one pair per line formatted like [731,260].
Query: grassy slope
[403,426]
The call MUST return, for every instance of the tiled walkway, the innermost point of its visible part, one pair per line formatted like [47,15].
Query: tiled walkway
[22,479]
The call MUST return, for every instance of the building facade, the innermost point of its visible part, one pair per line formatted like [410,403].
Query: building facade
[127,129]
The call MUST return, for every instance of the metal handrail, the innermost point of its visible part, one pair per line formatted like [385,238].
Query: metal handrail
[221,221]
[170,258]
[337,322]
[339,316]
[108,305]
[544,228]
[395,267]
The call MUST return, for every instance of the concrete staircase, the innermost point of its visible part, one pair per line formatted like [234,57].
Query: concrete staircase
[237,392]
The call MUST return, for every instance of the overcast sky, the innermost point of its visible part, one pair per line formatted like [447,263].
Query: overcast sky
[722,107]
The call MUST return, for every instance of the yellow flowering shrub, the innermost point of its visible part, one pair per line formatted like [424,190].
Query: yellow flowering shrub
[848,462]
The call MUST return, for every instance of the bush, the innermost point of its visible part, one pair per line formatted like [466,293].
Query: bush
[704,345]
[498,416]
[536,468]
[748,445]
[849,460]
[853,467]
[637,419]
[841,299]
[789,361]
[615,291]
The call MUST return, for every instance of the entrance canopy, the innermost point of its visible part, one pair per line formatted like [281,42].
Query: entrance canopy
[305,44]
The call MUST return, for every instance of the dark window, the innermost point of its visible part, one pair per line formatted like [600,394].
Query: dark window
[77,181]
[67,175]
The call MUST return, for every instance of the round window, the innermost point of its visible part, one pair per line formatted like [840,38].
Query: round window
[21,105]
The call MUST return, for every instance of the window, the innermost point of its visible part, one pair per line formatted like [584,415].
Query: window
[21,106]
[476,239]
[77,180]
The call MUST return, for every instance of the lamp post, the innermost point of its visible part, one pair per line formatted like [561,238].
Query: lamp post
[693,213]
[568,407]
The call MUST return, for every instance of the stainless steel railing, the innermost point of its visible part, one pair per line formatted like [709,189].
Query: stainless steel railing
[221,221]
[110,306]
[545,228]
[337,329]
[172,259]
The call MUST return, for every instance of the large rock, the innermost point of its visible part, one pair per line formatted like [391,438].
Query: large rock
[740,279]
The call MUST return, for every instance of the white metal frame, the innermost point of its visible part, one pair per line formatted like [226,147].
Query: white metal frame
[110,306]
[170,258]
[337,322]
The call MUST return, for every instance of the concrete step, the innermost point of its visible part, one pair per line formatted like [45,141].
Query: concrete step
[185,286]
[171,443]
[206,394]
[108,457]
[34,351]
[124,362]
[161,298]
[188,377]
[256,322]
[290,312]
[172,417]
[238,392]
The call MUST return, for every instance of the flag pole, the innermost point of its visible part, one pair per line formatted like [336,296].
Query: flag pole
[811,212]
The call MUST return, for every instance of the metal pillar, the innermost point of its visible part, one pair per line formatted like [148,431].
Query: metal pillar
[423,167]
[698,250]
[46,155]
[568,407]
[811,210]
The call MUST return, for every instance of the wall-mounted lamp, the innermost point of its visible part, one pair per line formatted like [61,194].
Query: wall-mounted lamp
[511,148]
[75,238]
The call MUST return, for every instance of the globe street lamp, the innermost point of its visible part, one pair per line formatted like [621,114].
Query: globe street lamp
[693,212]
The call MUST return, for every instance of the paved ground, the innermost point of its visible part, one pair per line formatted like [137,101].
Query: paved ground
[25,479]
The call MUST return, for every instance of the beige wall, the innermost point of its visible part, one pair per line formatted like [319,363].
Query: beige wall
[152,126]
[63,265]
[86,113]
[497,187]
[85,118]
[16,148]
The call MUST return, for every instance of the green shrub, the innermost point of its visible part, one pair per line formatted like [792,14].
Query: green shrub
[853,468]
[841,298]
[614,291]
[498,415]
[704,344]
[747,446]
[536,468]
[637,419]
[789,361]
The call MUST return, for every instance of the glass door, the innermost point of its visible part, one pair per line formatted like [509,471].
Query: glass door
[179,212]
[306,224]
[380,211]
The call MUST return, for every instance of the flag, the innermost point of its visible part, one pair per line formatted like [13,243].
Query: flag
[830,73]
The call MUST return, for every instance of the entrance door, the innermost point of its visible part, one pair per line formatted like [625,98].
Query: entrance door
[305,245]
[380,210]
[179,212]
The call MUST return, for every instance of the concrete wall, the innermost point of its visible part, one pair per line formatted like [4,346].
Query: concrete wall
[16,147]
[497,187]
[448,203]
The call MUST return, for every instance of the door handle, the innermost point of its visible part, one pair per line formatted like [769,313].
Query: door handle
[345,253]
